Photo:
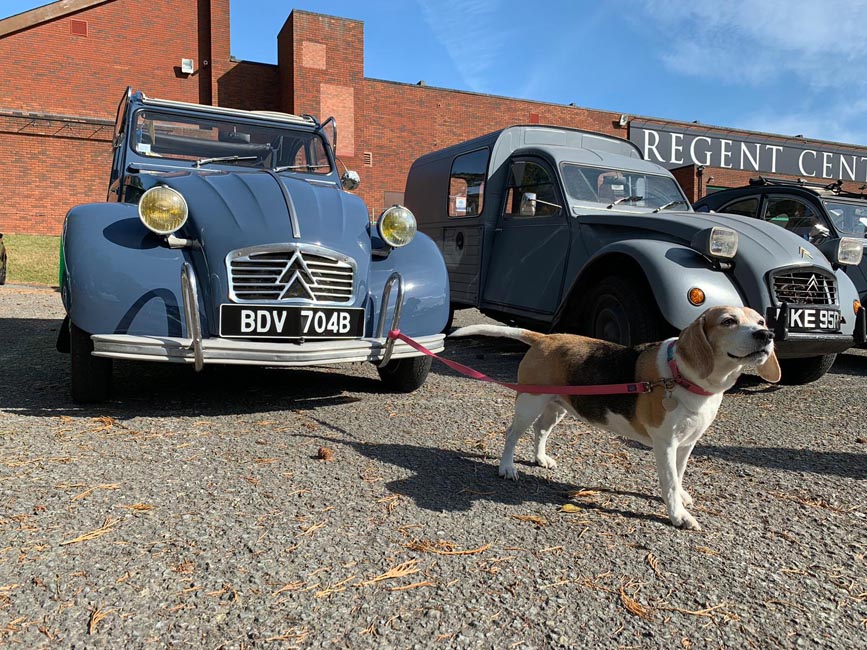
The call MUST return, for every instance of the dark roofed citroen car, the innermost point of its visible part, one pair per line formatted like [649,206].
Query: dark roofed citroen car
[819,212]
[567,230]
[227,238]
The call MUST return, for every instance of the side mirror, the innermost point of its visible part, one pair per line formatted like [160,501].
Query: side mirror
[528,204]
[819,233]
[350,180]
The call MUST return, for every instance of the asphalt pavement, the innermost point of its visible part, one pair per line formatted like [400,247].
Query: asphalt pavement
[272,508]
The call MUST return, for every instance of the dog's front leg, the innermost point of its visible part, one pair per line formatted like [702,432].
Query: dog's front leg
[669,482]
[683,454]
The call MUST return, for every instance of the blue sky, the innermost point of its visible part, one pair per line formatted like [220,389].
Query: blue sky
[780,66]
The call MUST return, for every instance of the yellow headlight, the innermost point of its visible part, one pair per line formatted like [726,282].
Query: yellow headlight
[397,226]
[162,210]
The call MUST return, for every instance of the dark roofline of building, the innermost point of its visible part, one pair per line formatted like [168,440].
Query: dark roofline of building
[45,13]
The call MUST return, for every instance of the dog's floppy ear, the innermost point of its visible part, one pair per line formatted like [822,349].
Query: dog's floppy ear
[695,349]
[770,369]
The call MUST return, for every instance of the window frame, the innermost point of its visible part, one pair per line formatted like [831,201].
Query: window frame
[481,194]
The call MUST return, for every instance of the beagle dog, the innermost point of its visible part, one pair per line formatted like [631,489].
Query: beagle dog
[688,376]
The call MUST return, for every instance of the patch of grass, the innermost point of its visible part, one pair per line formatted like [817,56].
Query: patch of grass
[33,259]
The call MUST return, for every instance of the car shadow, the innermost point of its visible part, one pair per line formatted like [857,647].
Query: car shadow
[35,382]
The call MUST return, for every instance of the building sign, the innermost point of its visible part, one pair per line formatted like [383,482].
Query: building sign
[670,147]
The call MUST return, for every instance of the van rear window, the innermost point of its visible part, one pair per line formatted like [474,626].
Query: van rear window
[467,183]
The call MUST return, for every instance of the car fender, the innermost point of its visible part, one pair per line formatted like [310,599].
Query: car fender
[118,277]
[425,283]
[847,295]
[671,271]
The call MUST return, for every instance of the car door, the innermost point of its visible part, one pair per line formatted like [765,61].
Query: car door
[530,249]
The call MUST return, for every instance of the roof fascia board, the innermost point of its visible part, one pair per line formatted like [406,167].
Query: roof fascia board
[45,13]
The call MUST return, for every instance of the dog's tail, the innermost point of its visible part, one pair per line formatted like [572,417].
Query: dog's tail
[525,336]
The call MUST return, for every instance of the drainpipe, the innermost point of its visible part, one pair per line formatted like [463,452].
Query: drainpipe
[699,172]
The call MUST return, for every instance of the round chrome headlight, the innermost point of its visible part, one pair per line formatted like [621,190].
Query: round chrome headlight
[396,226]
[163,210]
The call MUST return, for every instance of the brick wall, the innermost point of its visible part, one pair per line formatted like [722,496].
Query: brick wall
[48,165]
[72,71]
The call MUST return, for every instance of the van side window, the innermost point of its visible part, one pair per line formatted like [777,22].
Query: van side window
[467,184]
[526,176]
[746,207]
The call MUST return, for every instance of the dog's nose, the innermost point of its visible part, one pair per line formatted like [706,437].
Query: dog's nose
[765,336]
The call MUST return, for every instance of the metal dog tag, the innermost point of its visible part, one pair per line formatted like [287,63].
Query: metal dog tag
[669,403]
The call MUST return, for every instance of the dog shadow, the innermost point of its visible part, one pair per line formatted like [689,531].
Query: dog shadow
[444,480]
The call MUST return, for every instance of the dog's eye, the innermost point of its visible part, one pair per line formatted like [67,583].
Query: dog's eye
[729,322]
[761,322]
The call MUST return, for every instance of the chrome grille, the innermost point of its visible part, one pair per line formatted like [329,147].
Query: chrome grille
[290,273]
[805,288]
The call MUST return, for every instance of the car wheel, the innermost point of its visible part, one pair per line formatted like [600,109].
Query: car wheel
[795,372]
[622,311]
[91,376]
[451,319]
[405,375]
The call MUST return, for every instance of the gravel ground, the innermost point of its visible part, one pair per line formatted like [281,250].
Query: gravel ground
[260,508]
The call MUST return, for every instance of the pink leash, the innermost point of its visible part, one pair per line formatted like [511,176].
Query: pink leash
[602,389]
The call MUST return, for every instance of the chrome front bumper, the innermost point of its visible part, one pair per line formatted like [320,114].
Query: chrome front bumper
[198,351]
[233,351]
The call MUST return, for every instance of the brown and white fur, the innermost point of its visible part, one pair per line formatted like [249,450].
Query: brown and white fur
[711,353]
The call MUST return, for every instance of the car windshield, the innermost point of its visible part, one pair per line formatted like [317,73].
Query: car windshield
[206,141]
[850,219]
[615,187]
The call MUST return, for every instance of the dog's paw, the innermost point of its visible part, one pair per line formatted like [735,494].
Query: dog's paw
[685,497]
[546,461]
[685,521]
[509,471]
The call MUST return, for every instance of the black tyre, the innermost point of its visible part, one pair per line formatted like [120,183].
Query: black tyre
[451,319]
[91,376]
[405,375]
[624,311]
[796,372]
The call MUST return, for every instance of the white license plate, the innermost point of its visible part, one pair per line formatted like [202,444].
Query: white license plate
[279,322]
[813,319]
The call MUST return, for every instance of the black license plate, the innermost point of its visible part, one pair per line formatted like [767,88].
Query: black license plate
[278,322]
[813,319]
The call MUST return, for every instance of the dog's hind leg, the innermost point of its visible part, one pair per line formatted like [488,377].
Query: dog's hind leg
[528,408]
[549,419]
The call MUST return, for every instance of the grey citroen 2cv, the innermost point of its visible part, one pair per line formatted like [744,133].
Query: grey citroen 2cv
[567,230]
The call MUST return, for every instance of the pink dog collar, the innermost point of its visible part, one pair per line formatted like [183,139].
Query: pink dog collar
[679,379]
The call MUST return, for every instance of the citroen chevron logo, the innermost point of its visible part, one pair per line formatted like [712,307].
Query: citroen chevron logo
[813,284]
[804,252]
[297,273]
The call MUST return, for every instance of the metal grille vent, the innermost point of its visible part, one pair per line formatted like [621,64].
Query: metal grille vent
[805,288]
[290,274]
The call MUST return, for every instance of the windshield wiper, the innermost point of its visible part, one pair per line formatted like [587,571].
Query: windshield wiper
[626,199]
[669,204]
[207,161]
[286,168]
